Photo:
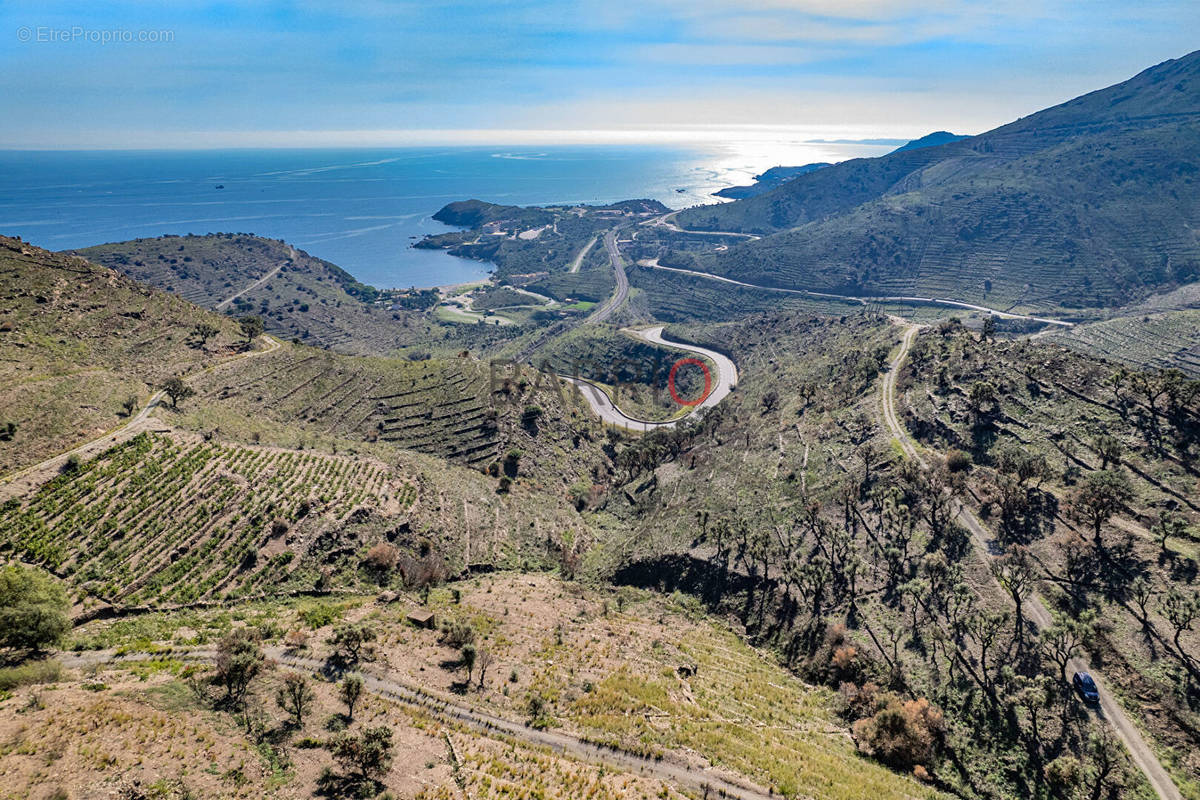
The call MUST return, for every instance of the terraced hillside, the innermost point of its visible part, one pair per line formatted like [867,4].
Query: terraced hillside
[678,297]
[1085,205]
[174,519]
[789,509]
[606,664]
[298,296]
[442,407]
[77,340]
[1149,341]
[740,719]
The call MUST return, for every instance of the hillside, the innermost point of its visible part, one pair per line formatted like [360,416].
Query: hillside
[298,296]
[777,176]
[209,519]
[479,460]
[786,513]
[635,372]
[77,340]
[791,510]
[578,654]
[1088,204]
[1166,339]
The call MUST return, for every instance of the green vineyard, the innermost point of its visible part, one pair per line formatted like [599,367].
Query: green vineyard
[158,519]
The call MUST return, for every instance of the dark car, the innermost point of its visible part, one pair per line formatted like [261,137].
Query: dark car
[1086,687]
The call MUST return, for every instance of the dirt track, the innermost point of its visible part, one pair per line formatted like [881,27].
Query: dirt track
[1035,609]
[26,480]
[389,687]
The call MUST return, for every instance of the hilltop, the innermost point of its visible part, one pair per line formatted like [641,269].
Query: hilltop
[777,176]
[930,140]
[1086,205]
[78,340]
[298,296]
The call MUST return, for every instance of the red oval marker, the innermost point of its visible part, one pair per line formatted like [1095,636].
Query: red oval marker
[671,381]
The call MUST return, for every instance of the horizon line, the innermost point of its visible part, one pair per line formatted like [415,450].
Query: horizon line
[716,134]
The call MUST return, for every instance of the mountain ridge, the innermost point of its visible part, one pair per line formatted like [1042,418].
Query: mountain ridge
[1088,204]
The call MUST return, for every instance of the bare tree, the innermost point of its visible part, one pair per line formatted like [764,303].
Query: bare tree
[350,690]
[1169,525]
[295,696]
[1141,592]
[484,660]
[1017,572]
[1100,497]
[1106,757]
[1181,609]
[1065,639]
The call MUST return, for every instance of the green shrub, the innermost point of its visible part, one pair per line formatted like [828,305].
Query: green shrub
[958,461]
[33,609]
[29,673]
[320,615]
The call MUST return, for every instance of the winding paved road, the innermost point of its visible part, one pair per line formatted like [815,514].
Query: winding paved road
[601,403]
[598,398]
[665,221]
[1035,609]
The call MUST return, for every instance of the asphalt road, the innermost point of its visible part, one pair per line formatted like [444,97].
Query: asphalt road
[863,300]
[578,260]
[667,221]
[618,297]
[1035,609]
[722,384]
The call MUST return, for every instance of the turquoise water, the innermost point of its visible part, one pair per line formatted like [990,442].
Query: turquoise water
[360,209]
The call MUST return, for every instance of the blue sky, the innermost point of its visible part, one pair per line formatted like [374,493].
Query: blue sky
[320,72]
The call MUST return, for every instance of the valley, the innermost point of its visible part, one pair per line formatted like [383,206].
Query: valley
[829,491]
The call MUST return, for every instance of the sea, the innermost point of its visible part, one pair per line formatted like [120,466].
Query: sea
[360,209]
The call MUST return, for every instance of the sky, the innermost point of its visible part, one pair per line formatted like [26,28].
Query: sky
[178,74]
